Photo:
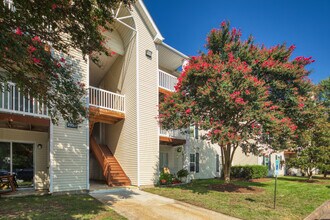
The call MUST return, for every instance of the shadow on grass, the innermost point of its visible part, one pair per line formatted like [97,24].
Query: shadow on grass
[52,207]
[205,186]
[302,179]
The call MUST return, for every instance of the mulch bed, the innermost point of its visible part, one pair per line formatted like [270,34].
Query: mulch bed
[232,188]
[261,180]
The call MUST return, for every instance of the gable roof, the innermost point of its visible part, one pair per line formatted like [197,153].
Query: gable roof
[158,38]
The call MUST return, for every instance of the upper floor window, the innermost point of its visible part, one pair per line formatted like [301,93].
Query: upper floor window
[194,131]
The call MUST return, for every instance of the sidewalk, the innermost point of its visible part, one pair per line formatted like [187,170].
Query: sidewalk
[135,204]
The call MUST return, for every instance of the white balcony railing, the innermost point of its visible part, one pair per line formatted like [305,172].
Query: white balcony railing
[172,133]
[167,81]
[105,99]
[14,101]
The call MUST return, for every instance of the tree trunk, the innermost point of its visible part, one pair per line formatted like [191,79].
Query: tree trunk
[310,174]
[227,162]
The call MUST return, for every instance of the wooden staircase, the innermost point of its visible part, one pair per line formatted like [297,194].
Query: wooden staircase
[112,171]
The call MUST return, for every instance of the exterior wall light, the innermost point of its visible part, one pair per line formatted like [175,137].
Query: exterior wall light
[39,146]
[149,54]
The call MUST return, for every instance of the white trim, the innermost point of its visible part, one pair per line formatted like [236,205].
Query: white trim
[158,34]
[175,50]
[51,159]
[125,17]
[87,128]
[158,127]
[138,109]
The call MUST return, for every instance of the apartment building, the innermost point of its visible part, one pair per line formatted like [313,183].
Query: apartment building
[121,143]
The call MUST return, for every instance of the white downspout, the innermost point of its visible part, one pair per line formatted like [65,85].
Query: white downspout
[138,108]
[51,158]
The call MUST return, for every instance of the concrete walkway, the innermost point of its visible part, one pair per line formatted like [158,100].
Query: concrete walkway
[135,204]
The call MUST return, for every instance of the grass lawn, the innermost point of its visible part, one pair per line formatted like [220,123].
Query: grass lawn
[55,207]
[295,199]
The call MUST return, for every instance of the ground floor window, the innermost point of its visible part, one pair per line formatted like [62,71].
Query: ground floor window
[17,159]
[217,163]
[197,162]
[163,160]
[192,163]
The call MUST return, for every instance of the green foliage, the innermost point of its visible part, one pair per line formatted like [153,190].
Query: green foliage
[297,198]
[29,28]
[249,171]
[165,178]
[311,158]
[239,91]
[182,173]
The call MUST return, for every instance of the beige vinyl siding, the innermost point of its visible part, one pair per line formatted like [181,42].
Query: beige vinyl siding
[207,158]
[121,137]
[241,158]
[148,101]
[70,147]
[41,156]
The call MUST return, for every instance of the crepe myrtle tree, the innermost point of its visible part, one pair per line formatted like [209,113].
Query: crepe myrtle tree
[240,92]
[30,33]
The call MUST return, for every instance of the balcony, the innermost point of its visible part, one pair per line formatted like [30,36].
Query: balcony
[171,137]
[12,100]
[105,106]
[19,110]
[166,82]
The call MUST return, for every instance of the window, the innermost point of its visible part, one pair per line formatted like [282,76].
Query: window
[196,132]
[217,163]
[197,162]
[192,163]
[163,160]
[266,161]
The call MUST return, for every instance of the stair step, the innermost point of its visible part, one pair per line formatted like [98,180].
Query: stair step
[114,174]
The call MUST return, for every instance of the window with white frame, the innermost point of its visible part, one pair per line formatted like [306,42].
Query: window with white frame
[192,163]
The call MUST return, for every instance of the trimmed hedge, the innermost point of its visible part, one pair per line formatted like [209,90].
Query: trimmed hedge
[249,171]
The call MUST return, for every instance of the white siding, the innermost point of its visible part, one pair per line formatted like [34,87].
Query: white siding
[70,147]
[241,158]
[122,136]
[207,158]
[148,101]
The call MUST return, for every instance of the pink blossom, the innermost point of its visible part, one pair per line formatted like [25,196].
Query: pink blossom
[113,53]
[31,48]
[18,31]
[36,60]
[247,92]
[223,23]
[239,101]
[235,94]
[36,39]
[54,6]
[301,105]
[188,111]
[62,60]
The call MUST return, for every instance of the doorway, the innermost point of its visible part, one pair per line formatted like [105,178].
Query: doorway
[17,158]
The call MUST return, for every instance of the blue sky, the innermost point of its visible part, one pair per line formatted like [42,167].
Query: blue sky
[185,23]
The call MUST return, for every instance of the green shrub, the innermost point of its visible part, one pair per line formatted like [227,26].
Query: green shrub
[165,178]
[249,171]
[182,173]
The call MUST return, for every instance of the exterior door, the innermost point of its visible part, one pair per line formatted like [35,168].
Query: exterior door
[18,159]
